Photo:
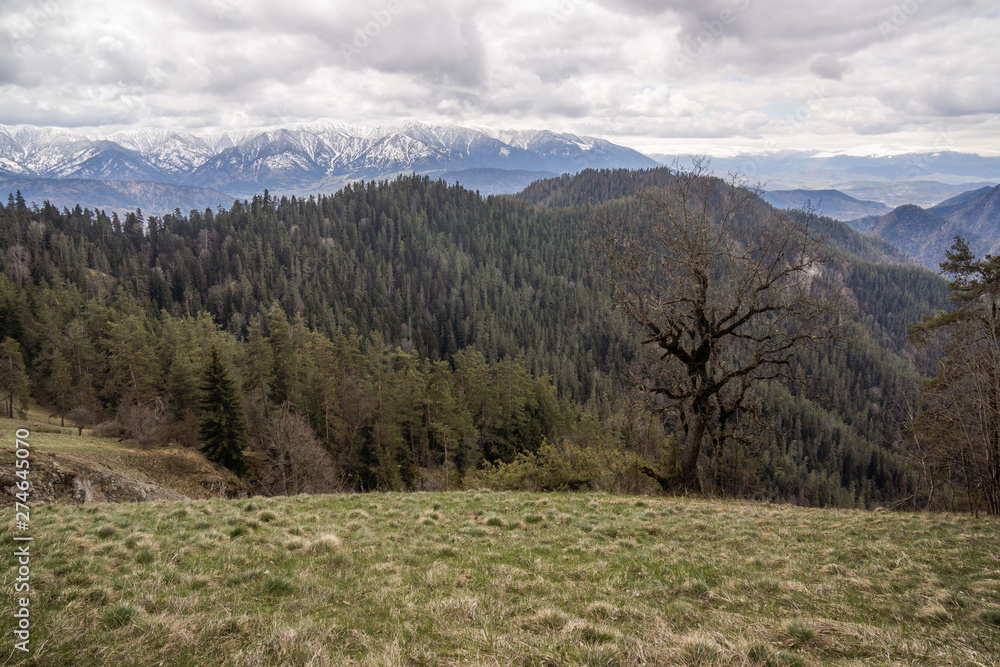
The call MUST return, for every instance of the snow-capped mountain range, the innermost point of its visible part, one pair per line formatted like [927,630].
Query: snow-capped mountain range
[297,159]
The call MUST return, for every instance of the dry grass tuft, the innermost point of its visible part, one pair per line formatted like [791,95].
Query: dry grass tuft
[106,531]
[990,617]
[700,649]
[986,586]
[438,575]
[547,619]
[118,616]
[328,543]
[932,611]
[462,608]
[602,610]
[798,633]
[354,526]
[695,588]
[590,633]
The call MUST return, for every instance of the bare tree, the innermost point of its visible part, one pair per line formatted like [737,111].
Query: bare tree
[141,422]
[725,289]
[291,459]
[18,263]
[957,429]
[82,417]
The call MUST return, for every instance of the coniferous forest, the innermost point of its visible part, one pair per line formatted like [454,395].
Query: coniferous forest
[409,334]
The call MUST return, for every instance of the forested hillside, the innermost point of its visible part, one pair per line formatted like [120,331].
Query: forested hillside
[413,334]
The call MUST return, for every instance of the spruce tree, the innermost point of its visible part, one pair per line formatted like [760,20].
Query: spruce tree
[61,386]
[222,430]
[13,379]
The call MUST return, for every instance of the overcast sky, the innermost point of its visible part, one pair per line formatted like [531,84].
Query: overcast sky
[684,76]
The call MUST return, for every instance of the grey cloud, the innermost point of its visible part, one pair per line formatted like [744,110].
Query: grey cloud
[968,98]
[876,128]
[829,67]
[557,64]
[771,36]
[637,7]
[220,63]
[440,44]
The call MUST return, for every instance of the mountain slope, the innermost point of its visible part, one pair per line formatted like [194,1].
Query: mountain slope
[303,159]
[953,203]
[494,181]
[882,178]
[438,271]
[831,203]
[479,578]
[926,234]
[591,187]
[913,230]
[979,216]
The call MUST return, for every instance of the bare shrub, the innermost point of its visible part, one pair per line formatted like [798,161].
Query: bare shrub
[289,458]
[140,423]
[185,431]
[108,429]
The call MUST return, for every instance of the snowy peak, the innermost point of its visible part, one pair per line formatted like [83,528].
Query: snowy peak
[167,150]
[298,157]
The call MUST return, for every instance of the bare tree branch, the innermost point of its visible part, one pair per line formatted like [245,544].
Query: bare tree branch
[724,288]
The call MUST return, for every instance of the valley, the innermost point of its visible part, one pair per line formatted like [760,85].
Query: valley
[615,333]
[417,334]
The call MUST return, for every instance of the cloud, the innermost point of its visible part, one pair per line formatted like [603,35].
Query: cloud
[750,72]
[439,43]
[829,66]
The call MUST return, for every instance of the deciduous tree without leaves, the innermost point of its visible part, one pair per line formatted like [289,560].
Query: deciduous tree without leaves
[726,290]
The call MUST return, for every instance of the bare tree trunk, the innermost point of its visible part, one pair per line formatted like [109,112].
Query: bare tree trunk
[692,449]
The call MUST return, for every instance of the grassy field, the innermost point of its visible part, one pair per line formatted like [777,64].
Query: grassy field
[487,578]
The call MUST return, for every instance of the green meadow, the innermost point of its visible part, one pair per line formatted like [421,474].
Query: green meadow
[496,578]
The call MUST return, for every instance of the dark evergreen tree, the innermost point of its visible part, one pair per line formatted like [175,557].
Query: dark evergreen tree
[222,430]
[13,380]
[60,386]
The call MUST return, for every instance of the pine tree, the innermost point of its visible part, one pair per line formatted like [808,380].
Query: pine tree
[223,430]
[13,379]
[283,376]
[61,386]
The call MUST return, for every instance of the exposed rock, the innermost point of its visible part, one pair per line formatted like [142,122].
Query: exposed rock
[76,481]
[82,490]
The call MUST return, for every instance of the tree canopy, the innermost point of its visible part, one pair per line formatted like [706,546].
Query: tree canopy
[425,335]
